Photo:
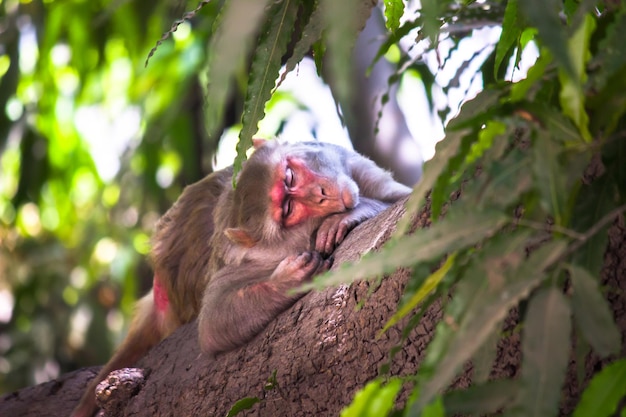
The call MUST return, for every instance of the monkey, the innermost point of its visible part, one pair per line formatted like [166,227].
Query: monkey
[228,256]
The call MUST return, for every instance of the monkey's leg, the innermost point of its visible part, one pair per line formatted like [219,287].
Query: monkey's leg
[239,302]
[150,324]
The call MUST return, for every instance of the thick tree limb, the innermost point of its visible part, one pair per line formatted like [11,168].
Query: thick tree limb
[323,350]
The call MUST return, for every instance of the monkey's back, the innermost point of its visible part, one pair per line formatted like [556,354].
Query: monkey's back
[182,243]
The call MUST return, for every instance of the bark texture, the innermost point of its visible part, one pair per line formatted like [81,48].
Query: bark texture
[323,350]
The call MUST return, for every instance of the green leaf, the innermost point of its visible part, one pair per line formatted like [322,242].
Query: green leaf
[512,28]
[486,136]
[549,176]
[613,157]
[608,106]
[319,51]
[311,33]
[611,56]
[581,8]
[431,12]
[545,349]
[434,409]
[519,90]
[228,49]
[374,399]
[440,192]
[444,151]
[382,403]
[345,20]
[561,127]
[505,180]
[483,399]
[544,15]
[605,392]
[394,38]
[242,405]
[485,356]
[361,400]
[581,351]
[186,17]
[430,283]
[394,9]
[266,62]
[456,231]
[593,202]
[578,45]
[272,382]
[481,301]
[572,96]
[592,313]
[473,147]
[476,111]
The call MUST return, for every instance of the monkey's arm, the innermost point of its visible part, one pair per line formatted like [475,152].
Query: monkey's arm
[374,182]
[335,227]
[238,302]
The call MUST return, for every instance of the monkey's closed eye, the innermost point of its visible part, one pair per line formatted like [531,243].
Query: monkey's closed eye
[290,178]
[287,207]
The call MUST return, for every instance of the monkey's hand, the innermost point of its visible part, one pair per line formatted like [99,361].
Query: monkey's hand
[295,269]
[235,311]
[335,227]
[333,230]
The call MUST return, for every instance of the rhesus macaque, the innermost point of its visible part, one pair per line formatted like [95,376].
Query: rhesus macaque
[230,256]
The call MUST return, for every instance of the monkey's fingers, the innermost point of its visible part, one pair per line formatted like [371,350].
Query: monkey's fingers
[325,266]
[342,231]
[321,238]
[294,270]
[313,260]
[291,265]
[332,232]
[326,239]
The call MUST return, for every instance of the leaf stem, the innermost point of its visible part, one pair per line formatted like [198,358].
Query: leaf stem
[599,225]
[550,227]
[607,218]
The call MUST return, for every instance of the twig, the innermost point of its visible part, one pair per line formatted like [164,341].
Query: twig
[548,227]
[606,219]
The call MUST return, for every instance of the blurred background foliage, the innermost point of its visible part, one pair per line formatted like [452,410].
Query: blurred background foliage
[93,147]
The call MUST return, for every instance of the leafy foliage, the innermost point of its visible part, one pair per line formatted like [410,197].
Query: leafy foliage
[375,399]
[74,224]
[264,69]
[533,141]
[237,28]
[531,220]
[605,392]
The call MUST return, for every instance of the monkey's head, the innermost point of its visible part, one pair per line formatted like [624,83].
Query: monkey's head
[284,187]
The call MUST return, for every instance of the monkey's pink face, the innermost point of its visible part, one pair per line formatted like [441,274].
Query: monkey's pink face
[299,193]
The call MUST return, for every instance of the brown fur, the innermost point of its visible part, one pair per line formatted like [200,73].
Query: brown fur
[182,243]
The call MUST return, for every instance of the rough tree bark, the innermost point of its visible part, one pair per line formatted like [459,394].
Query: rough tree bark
[323,350]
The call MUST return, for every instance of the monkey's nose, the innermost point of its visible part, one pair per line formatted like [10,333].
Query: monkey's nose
[348,198]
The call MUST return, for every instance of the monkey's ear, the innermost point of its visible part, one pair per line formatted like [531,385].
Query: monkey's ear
[258,142]
[240,237]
